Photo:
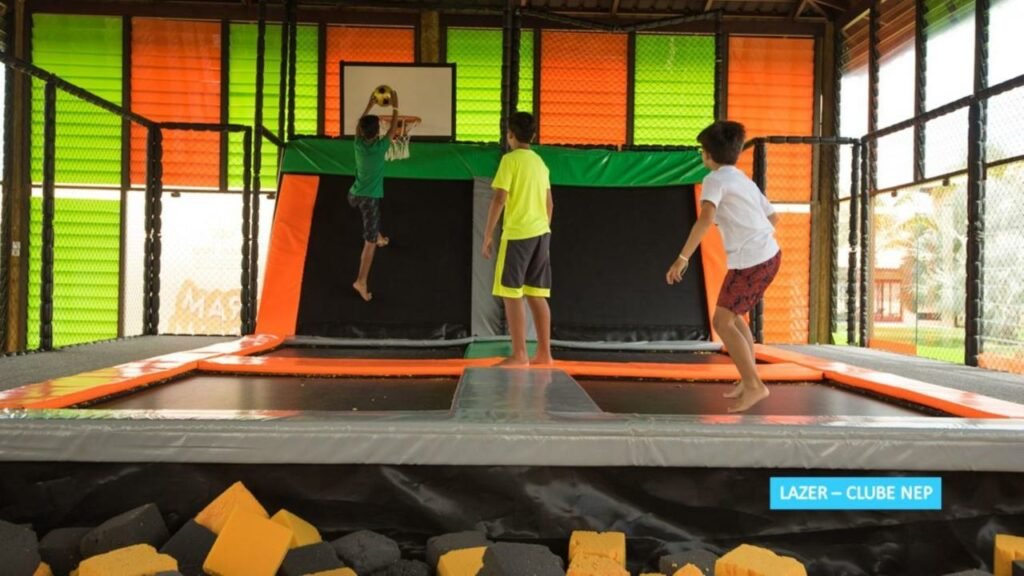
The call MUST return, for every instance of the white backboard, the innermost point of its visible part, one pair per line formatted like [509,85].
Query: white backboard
[424,90]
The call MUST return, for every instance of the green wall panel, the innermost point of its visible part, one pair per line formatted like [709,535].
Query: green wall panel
[477,53]
[86,270]
[242,92]
[86,51]
[674,89]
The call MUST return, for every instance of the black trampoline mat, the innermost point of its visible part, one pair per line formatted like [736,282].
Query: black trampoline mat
[661,356]
[207,392]
[704,398]
[400,353]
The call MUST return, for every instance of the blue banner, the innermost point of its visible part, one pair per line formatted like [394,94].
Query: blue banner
[866,493]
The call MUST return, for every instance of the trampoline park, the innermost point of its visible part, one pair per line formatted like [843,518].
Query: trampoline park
[184,354]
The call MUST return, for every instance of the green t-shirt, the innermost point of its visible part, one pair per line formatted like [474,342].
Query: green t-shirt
[526,178]
[370,167]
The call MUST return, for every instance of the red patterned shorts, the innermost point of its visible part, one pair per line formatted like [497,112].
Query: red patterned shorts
[743,288]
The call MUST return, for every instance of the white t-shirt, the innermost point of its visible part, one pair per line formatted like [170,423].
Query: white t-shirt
[742,217]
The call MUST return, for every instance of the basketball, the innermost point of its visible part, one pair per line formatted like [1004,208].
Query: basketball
[382,95]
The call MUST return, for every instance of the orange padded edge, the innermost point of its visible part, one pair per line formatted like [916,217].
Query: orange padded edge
[88,386]
[956,402]
[286,259]
[698,372]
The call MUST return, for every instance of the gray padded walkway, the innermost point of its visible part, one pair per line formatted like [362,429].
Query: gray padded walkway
[999,385]
[39,366]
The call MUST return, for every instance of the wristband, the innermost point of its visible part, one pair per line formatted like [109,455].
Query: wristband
[683,258]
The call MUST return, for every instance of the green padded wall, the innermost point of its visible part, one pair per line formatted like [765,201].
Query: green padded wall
[86,51]
[476,53]
[674,94]
[85,272]
[242,92]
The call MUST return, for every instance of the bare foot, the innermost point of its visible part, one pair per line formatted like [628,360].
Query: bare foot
[736,392]
[382,241]
[363,292]
[750,397]
[513,362]
[539,360]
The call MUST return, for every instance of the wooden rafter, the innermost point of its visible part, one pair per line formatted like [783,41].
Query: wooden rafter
[707,5]
[615,7]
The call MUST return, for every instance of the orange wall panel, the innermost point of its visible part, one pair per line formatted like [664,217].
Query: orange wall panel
[583,88]
[176,78]
[353,44]
[786,311]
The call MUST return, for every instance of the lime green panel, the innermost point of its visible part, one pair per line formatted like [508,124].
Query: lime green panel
[674,88]
[85,270]
[242,92]
[939,14]
[86,51]
[443,161]
[477,55]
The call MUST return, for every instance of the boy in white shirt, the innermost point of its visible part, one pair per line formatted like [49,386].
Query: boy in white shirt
[746,221]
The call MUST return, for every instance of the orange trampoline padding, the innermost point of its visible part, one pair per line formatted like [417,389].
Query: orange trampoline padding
[956,402]
[360,44]
[176,69]
[286,259]
[583,87]
[712,256]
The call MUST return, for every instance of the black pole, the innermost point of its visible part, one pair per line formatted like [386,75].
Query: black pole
[851,273]
[154,191]
[246,312]
[866,182]
[871,164]
[761,179]
[49,179]
[920,85]
[837,90]
[293,28]
[976,159]
[282,91]
[257,151]
[5,209]
[721,70]
[507,47]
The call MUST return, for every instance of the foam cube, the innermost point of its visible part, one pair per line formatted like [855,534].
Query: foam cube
[62,549]
[136,560]
[464,562]
[142,525]
[610,545]
[405,568]
[317,557]
[249,544]
[973,572]
[1018,568]
[510,559]
[335,572]
[690,570]
[303,533]
[592,565]
[43,570]
[440,545]
[190,546]
[367,551]
[19,549]
[1008,549]
[754,561]
[236,497]
[702,559]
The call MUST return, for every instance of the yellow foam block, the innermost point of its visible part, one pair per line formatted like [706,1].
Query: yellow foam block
[335,572]
[689,570]
[303,533]
[747,560]
[592,565]
[249,545]
[236,497]
[43,570]
[607,544]
[465,562]
[651,574]
[138,560]
[1008,549]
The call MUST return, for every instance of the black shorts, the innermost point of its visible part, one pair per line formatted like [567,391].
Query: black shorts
[524,268]
[369,209]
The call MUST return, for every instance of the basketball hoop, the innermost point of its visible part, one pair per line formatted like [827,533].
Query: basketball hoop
[399,149]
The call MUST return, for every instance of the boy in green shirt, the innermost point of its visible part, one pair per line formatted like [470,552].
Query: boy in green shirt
[368,189]
[523,189]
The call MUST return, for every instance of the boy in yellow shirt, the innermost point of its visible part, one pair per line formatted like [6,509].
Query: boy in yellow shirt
[522,188]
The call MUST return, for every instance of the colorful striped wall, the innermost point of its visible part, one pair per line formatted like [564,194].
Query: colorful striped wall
[674,88]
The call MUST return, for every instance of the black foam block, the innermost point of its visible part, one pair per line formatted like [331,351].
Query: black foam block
[61,549]
[367,551]
[142,525]
[1018,568]
[190,546]
[440,545]
[974,572]
[405,568]
[309,559]
[19,549]
[511,559]
[700,558]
